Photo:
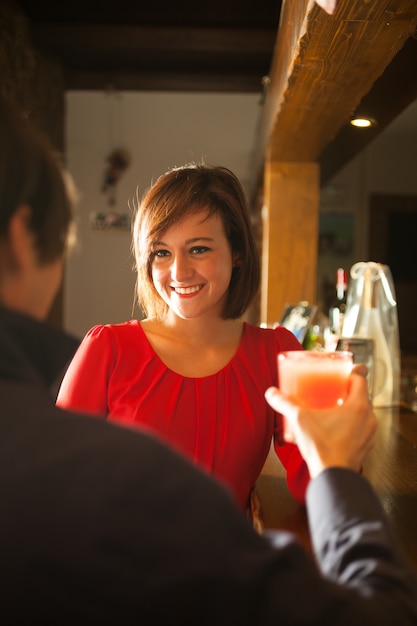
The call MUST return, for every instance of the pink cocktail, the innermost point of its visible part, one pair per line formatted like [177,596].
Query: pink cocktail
[316,380]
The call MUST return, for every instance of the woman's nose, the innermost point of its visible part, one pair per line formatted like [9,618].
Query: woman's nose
[181,268]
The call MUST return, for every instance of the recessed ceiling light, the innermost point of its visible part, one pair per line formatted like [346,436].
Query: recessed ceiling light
[362,122]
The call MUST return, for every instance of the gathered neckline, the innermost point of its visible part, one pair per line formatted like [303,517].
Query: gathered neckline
[222,369]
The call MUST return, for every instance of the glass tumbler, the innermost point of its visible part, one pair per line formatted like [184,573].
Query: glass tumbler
[362,349]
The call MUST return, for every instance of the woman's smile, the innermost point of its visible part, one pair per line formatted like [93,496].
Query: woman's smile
[187,291]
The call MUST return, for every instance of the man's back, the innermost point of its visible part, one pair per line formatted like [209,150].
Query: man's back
[89,520]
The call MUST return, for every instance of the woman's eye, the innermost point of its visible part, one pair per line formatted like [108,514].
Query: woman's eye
[160,253]
[199,249]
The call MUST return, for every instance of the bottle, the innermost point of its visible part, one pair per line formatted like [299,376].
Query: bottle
[369,325]
[315,337]
[371,312]
[338,307]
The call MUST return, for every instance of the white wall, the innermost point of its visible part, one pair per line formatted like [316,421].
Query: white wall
[161,130]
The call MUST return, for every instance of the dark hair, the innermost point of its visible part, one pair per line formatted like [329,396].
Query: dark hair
[31,174]
[180,192]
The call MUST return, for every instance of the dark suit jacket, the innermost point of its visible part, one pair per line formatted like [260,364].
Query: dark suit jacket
[103,525]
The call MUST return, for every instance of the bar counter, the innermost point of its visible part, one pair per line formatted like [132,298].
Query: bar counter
[391,467]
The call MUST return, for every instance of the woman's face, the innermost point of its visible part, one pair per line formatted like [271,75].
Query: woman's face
[192,266]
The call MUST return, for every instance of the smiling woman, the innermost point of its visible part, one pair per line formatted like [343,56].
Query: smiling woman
[193,371]
[203,191]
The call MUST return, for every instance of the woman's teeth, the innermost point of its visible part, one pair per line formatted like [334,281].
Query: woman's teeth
[187,290]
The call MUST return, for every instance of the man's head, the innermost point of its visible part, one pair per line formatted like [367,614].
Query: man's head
[36,216]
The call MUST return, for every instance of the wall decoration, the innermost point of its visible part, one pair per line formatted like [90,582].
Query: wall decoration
[118,158]
[109,221]
[117,161]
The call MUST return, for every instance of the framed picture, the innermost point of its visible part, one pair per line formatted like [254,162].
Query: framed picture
[297,318]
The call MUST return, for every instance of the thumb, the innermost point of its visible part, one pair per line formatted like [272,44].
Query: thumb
[281,404]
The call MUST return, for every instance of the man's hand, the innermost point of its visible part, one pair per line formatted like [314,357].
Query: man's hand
[340,437]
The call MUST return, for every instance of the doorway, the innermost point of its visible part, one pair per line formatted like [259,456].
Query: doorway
[392,240]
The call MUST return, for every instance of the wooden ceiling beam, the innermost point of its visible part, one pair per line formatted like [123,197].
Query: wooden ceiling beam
[323,66]
[391,94]
[116,47]
[189,81]
[70,38]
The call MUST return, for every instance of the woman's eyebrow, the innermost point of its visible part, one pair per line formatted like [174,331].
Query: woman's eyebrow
[187,241]
[194,239]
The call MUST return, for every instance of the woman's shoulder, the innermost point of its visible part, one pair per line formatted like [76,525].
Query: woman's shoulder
[121,331]
[125,338]
[281,338]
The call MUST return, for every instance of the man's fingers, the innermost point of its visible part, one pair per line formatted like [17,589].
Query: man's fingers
[358,378]
[360,369]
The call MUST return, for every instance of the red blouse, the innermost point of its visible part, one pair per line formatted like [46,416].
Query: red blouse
[222,422]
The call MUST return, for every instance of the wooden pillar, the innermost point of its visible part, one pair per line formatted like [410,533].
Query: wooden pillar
[290,219]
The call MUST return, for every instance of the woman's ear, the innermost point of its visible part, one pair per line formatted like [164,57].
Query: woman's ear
[237,260]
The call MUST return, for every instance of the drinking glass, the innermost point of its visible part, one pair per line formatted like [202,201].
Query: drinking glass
[362,349]
[315,380]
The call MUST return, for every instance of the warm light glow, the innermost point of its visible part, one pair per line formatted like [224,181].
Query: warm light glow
[362,122]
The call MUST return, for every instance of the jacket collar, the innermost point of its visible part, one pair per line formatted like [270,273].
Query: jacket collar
[33,351]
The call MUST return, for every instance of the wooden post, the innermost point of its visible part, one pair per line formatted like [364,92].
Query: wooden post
[289,237]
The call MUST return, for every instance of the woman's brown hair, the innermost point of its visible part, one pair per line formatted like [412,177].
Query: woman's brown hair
[180,192]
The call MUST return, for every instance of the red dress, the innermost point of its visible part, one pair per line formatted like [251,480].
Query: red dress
[222,422]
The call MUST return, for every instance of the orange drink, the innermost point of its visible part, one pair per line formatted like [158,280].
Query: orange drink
[315,380]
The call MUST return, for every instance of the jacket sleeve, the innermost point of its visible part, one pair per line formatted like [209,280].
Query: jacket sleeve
[84,385]
[355,546]
[364,577]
